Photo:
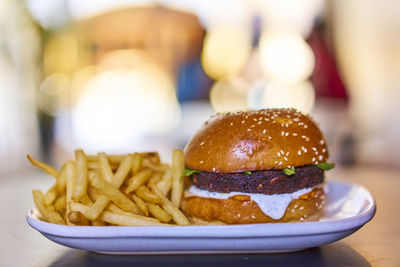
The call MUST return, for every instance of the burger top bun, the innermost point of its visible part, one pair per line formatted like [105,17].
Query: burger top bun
[256,140]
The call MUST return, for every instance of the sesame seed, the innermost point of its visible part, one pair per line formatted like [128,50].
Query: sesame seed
[253,217]
[296,205]
[287,125]
[303,136]
[305,126]
[266,119]
[260,118]
[313,159]
[280,162]
[320,157]
[259,122]
[269,137]
[214,169]
[239,215]
[264,131]
[252,126]
[294,134]
[301,208]
[231,123]
[323,150]
[276,162]
[301,219]
[292,210]
[299,152]
[283,153]
[287,133]
[321,142]
[287,153]
[296,119]
[249,130]
[314,148]
[254,119]
[243,121]
[285,158]
[279,154]
[282,124]
[304,149]
[201,162]
[283,133]
[300,123]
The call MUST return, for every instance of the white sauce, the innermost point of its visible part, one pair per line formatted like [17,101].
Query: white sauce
[273,206]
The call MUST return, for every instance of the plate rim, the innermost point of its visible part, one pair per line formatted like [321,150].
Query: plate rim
[209,231]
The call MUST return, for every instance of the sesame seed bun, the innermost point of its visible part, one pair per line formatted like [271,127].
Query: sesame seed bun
[240,209]
[256,140]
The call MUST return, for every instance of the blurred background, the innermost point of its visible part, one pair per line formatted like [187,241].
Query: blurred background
[123,76]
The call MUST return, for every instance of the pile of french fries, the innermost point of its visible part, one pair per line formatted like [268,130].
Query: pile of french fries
[128,190]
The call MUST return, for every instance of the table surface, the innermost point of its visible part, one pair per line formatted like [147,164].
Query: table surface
[376,244]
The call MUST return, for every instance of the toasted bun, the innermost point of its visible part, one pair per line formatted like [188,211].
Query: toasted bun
[239,209]
[256,140]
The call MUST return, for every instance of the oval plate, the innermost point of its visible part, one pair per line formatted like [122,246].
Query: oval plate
[349,206]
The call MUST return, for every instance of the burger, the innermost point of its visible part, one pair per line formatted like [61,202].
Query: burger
[256,167]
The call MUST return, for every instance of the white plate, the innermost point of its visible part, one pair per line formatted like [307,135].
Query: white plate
[348,208]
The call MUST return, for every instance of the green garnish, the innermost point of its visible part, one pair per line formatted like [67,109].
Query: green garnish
[325,166]
[188,172]
[247,172]
[289,171]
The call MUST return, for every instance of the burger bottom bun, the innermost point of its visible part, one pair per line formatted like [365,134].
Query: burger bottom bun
[240,209]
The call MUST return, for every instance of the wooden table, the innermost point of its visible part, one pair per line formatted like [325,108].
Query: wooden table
[376,244]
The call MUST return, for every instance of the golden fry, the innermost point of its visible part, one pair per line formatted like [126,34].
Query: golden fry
[104,167]
[60,204]
[139,179]
[122,172]
[144,193]
[115,218]
[137,160]
[77,218]
[178,167]
[159,213]
[70,174]
[50,195]
[81,175]
[114,194]
[177,215]
[166,182]
[141,204]
[61,180]
[50,215]
[114,208]
[48,169]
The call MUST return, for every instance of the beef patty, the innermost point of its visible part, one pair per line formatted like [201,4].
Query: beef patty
[267,182]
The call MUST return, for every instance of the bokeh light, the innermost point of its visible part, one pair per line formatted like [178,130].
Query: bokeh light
[300,96]
[226,50]
[119,106]
[229,94]
[285,56]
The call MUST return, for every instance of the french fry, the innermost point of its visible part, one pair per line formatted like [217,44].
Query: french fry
[114,208]
[153,157]
[144,193]
[137,160]
[61,180]
[81,175]
[155,178]
[166,182]
[86,200]
[166,204]
[48,169]
[49,215]
[60,204]
[70,175]
[114,194]
[138,179]
[141,204]
[50,195]
[115,218]
[117,181]
[178,167]
[93,192]
[77,218]
[104,167]
[113,159]
[122,172]
[159,213]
